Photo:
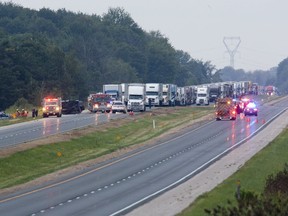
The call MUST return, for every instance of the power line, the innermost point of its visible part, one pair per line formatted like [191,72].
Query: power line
[232,47]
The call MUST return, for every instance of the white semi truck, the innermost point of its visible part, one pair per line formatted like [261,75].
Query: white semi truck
[136,97]
[202,95]
[115,90]
[154,93]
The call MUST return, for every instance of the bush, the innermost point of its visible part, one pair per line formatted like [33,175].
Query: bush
[273,201]
[277,185]
[20,104]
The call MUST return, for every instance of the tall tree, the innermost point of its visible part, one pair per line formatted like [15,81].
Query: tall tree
[282,76]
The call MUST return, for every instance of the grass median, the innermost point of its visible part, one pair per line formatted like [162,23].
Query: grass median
[24,166]
[252,177]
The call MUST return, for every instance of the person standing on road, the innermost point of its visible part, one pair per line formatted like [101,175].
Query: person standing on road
[150,103]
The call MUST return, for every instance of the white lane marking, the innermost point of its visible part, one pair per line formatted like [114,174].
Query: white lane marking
[196,170]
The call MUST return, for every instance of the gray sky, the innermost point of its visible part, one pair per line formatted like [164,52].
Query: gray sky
[199,26]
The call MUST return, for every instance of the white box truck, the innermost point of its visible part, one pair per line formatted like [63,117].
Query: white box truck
[115,90]
[136,97]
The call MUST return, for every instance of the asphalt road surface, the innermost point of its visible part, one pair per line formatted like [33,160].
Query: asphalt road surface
[117,186]
[17,134]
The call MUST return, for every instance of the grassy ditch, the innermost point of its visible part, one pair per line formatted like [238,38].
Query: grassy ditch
[30,164]
[252,176]
[5,122]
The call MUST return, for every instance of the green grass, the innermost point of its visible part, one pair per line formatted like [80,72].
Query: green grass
[5,122]
[30,164]
[252,177]
[266,98]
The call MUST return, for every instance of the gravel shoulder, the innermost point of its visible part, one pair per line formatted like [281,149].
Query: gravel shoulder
[179,198]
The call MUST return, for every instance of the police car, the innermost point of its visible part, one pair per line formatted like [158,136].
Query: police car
[251,109]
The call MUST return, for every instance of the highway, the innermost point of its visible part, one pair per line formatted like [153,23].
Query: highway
[16,134]
[119,185]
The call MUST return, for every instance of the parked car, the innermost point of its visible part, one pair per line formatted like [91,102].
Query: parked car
[118,106]
[251,109]
[4,116]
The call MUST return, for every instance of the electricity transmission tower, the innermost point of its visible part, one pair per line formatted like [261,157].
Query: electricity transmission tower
[232,47]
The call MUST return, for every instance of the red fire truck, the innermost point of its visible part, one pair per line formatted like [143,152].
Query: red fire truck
[225,109]
[99,102]
[52,107]
[270,90]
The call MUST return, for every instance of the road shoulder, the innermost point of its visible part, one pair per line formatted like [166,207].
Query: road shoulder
[179,198]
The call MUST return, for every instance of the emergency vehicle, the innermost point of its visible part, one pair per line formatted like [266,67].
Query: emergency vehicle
[242,104]
[225,109]
[52,107]
[99,103]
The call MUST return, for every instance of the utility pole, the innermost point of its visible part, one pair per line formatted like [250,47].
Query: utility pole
[232,47]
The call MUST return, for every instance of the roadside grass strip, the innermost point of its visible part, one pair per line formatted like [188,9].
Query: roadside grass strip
[252,176]
[27,165]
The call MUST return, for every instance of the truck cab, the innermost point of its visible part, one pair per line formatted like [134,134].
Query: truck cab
[225,109]
[154,94]
[136,97]
[52,107]
[99,103]
[203,93]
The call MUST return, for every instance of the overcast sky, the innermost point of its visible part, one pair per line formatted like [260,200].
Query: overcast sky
[199,26]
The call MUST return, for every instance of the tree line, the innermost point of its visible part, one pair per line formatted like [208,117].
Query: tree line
[276,76]
[61,53]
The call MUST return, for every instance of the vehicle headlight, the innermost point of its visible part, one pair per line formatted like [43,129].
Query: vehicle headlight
[109,105]
[57,108]
[95,106]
